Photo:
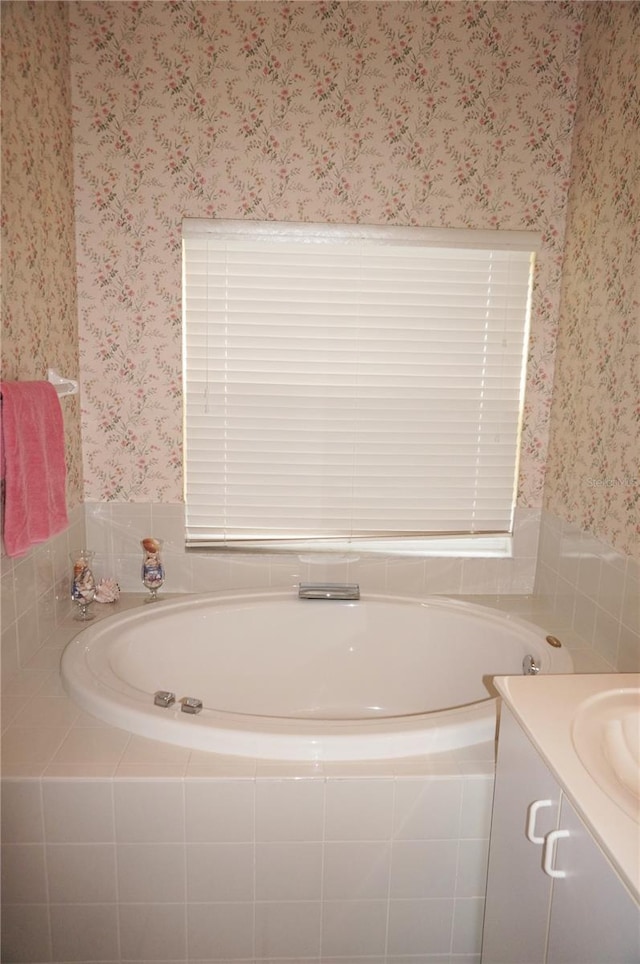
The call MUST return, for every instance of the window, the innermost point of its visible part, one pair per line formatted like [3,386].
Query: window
[351,384]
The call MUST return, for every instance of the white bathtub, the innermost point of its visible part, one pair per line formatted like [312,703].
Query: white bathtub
[290,679]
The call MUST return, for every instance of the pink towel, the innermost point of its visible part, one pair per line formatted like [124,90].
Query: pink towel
[33,465]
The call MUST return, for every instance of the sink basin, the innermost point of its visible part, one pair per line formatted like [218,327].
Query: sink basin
[606,737]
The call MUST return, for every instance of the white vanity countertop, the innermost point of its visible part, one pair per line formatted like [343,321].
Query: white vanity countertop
[546,707]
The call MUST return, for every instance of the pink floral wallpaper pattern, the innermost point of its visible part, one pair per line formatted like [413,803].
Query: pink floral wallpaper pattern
[593,476]
[39,309]
[427,113]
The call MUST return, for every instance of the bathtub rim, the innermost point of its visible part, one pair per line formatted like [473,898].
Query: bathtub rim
[120,704]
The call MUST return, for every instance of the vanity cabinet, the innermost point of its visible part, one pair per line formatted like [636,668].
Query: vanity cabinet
[552,895]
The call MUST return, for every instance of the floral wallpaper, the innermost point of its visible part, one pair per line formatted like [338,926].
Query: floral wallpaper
[39,309]
[593,476]
[427,113]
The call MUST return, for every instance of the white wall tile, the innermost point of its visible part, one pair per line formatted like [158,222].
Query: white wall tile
[368,959]
[8,596]
[46,711]
[289,810]
[97,745]
[52,685]
[210,574]
[526,532]
[9,650]
[30,744]
[359,809]
[81,873]
[322,567]
[423,868]
[285,571]
[290,870]
[10,706]
[24,581]
[29,641]
[125,569]
[78,811]
[428,959]
[247,571]
[220,810]
[370,572]
[612,580]
[353,927]
[45,658]
[477,801]
[178,569]
[220,931]
[46,611]
[590,589]
[206,572]
[443,575]
[289,929]
[471,877]
[467,926]
[589,569]
[151,873]
[24,683]
[150,771]
[427,809]
[99,532]
[152,932]
[84,932]
[26,935]
[149,812]
[628,651]
[21,808]
[631,601]
[545,586]
[167,524]
[570,553]
[606,634]
[420,926]
[220,871]
[584,617]
[356,870]
[130,523]
[219,883]
[141,750]
[406,576]
[23,874]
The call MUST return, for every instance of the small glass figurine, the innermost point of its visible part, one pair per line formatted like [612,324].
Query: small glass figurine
[152,568]
[83,584]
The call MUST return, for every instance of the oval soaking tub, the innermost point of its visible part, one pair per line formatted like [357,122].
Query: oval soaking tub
[290,679]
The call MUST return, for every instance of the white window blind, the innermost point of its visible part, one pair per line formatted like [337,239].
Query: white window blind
[350,382]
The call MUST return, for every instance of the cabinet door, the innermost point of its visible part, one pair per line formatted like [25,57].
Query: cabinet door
[594,919]
[518,892]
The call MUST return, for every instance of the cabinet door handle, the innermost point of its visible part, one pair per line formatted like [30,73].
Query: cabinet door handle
[532,813]
[549,852]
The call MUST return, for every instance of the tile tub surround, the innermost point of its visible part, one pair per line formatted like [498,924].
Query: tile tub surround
[114,530]
[118,848]
[245,868]
[592,592]
[44,734]
[35,595]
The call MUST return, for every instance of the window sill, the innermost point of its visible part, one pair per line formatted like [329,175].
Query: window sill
[459,547]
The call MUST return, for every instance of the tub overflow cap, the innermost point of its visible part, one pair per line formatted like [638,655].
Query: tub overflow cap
[554,641]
